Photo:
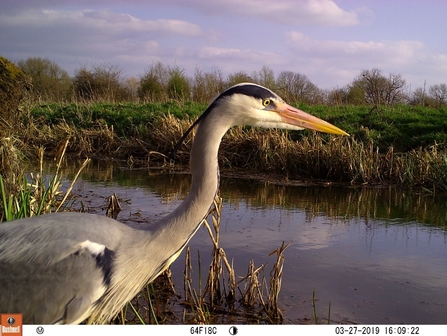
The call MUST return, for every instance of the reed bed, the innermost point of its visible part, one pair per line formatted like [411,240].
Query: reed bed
[223,297]
[313,156]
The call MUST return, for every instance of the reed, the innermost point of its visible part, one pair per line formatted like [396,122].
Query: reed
[33,195]
[147,134]
[252,297]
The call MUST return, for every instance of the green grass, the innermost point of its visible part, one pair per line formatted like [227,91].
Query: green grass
[126,118]
[403,127]
[401,145]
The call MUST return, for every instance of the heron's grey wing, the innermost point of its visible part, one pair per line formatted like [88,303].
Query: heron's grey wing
[51,272]
[63,292]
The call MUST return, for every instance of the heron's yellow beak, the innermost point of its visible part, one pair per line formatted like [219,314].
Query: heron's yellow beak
[293,116]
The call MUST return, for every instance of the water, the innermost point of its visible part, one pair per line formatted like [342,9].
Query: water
[374,255]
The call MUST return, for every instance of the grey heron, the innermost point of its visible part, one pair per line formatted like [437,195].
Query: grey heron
[63,268]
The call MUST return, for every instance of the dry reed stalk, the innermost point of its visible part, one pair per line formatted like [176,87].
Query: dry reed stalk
[221,274]
[216,276]
[275,283]
[10,163]
[187,275]
[113,206]
[253,288]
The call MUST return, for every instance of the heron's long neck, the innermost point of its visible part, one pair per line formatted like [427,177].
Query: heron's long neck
[145,254]
[175,230]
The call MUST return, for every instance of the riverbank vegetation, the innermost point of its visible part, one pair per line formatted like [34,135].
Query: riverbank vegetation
[400,145]
[397,137]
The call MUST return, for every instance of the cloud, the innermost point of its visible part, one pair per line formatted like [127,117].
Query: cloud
[341,61]
[231,60]
[91,35]
[397,51]
[294,12]
[232,54]
[103,20]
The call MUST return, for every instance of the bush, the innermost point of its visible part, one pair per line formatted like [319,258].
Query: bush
[14,84]
[100,83]
[49,81]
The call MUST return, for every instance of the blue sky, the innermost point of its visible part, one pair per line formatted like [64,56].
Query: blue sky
[328,41]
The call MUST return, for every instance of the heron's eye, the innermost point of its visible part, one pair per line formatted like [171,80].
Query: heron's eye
[266,102]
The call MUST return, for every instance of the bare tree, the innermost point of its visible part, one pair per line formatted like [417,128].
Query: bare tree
[378,89]
[265,77]
[100,83]
[207,85]
[439,93]
[418,97]
[338,96]
[296,87]
[238,77]
[49,81]
[131,85]
[154,83]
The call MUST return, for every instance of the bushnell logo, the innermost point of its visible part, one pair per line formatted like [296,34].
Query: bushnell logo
[11,325]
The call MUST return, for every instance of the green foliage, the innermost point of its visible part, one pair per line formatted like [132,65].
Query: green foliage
[153,84]
[178,85]
[20,205]
[35,196]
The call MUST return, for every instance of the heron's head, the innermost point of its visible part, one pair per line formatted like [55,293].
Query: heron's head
[254,105]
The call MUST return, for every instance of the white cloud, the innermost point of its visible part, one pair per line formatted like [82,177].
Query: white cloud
[103,20]
[99,36]
[398,51]
[291,12]
[341,61]
[237,54]
[232,60]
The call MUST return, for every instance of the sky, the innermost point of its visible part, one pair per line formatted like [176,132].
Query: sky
[329,41]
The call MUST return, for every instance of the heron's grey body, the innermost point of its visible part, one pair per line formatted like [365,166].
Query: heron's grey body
[66,267]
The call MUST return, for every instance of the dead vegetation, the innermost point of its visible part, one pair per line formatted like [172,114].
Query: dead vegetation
[314,156]
[223,297]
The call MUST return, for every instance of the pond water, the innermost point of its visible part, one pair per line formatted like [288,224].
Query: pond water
[376,255]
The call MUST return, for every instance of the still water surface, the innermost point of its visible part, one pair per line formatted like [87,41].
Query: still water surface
[376,255]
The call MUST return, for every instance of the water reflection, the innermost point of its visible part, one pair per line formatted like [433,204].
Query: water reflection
[335,202]
[377,255]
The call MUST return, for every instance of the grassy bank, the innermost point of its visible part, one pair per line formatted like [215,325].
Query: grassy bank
[400,145]
[402,126]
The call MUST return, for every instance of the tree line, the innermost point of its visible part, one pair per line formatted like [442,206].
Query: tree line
[160,83]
